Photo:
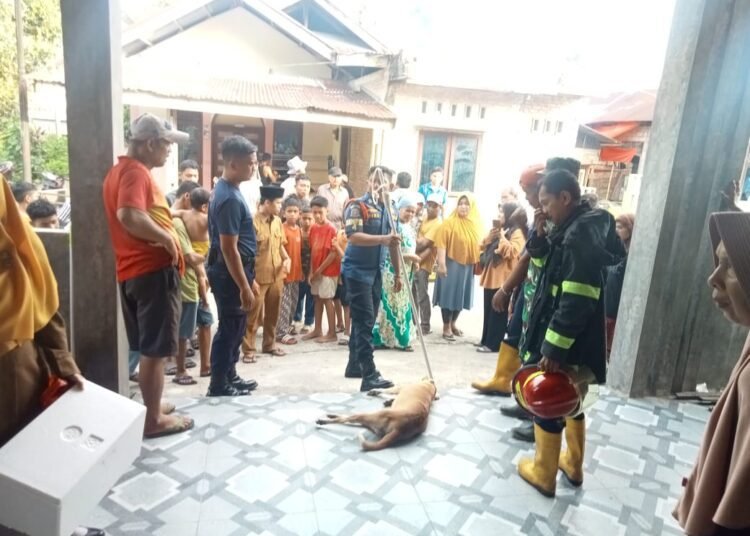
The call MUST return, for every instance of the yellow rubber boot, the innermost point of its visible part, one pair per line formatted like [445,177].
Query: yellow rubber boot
[541,472]
[508,364]
[571,459]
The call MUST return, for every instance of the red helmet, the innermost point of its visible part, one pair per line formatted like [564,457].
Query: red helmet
[547,395]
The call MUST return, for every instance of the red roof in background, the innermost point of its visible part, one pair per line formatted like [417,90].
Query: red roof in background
[615,130]
[636,106]
[313,95]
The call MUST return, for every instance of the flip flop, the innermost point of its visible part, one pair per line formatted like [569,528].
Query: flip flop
[167,408]
[189,363]
[457,332]
[344,341]
[170,370]
[485,350]
[249,358]
[184,379]
[288,339]
[276,352]
[183,424]
[206,374]
[449,337]
[190,352]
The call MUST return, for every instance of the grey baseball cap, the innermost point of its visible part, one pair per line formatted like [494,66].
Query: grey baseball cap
[150,127]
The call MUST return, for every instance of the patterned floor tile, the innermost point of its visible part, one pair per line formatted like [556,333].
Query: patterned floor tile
[260,465]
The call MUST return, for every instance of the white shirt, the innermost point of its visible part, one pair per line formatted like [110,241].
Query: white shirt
[250,190]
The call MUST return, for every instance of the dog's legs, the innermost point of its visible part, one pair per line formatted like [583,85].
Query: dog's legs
[395,390]
[372,421]
[384,442]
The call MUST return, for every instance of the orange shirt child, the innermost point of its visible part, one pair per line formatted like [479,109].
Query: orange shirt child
[321,244]
[294,250]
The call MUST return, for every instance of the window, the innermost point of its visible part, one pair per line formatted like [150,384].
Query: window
[468,111]
[455,153]
[559,127]
[547,125]
[453,110]
[535,125]
[482,111]
[439,107]
[424,107]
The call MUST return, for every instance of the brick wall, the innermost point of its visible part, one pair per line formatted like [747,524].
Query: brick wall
[360,152]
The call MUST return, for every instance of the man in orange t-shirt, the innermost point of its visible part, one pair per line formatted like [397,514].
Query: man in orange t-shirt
[149,262]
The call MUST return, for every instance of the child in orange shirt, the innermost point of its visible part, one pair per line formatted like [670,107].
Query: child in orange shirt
[293,246]
[325,270]
[340,299]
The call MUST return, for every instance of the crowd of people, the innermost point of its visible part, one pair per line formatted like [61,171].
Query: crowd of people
[333,267]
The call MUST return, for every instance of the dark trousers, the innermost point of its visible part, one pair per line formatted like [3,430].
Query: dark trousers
[494,324]
[364,301]
[420,288]
[554,426]
[515,326]
[225,347]
[306,303]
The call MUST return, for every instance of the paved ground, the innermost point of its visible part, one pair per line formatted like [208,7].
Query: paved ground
[259,465]
[313,368]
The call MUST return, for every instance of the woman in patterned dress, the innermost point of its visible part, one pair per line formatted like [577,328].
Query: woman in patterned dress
[394,327]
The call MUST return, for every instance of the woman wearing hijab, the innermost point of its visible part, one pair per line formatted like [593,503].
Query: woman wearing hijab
[715,499]
[500,251]
[33,342]
[615,276]
[394,327]
[457,246]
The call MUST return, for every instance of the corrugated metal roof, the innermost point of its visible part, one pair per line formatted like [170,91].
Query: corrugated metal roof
[281,92]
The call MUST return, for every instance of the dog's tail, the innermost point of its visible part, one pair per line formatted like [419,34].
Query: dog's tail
[384,442]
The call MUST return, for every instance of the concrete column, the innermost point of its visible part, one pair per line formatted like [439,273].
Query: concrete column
[669,335]
[268,136]
[91,46]
[207,152]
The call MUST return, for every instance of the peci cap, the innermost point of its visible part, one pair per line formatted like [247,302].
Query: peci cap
[335,171]
[150,127]
[271,192]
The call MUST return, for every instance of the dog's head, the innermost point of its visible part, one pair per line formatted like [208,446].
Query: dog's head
[431,383]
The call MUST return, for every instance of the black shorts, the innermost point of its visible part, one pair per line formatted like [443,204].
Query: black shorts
[151,308]
[341,292]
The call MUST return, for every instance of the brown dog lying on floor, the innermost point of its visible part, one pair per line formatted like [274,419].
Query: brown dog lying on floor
[404,418]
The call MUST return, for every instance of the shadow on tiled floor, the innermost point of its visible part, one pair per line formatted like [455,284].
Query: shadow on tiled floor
[259,465]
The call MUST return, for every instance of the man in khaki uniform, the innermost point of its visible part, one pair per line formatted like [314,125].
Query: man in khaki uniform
[271,266]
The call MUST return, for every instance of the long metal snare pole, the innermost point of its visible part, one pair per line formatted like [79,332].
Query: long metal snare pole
[403,273]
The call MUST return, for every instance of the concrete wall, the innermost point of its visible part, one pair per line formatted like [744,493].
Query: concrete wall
[507,142]
[213,47]
[317,146]
[57,245]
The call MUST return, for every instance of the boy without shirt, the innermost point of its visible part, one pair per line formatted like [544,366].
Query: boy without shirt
[196,224]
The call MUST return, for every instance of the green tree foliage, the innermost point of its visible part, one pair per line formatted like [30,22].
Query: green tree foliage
[42,43]
[49,152]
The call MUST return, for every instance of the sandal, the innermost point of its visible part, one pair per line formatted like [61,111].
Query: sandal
[305,330]
[344,341]
[340,329]
[189,363]
[293,331]
[190,352]
[457,332]
[449,337]
[485,350]
[184,379]
[276,352]
[249,358]
[183,424]
[205,373]
[170,369]
[287,339]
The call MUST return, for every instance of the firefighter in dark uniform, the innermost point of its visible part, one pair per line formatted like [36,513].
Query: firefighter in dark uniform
[369,234]
[566,320]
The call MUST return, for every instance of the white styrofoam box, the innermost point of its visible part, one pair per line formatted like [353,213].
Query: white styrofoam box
[57,469]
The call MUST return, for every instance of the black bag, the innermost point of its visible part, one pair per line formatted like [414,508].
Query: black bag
[488,256]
